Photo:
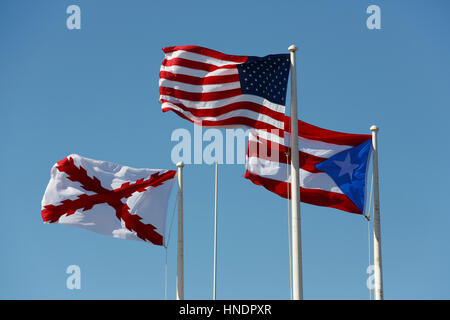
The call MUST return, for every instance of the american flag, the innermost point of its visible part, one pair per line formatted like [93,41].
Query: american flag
[214,89]
[333,165]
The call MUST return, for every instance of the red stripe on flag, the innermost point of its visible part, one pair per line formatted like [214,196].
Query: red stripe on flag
[312,196]
[195,64]
[311,132]
[230,122]
[197,80]
[200,96]
[242,105]
[207,52]
[306,161]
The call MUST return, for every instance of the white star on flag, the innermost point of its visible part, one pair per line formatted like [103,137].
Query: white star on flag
[346,166]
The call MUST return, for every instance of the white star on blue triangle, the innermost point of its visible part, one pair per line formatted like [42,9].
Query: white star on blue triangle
[348,169]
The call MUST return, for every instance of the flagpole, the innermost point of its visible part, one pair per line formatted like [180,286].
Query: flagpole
[297,277]
[215,232]
[180,254]
[378,271]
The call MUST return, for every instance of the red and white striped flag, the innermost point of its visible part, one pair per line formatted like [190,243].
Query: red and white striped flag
[333,165]
[107,198]
[214,89]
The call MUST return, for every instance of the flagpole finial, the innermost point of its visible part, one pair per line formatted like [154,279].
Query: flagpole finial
[292,48]
[180,164]
[374,128]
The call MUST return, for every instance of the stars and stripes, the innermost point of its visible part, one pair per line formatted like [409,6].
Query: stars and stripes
[214,89]
[332,169]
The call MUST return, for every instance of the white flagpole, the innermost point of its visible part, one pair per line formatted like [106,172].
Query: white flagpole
[180,254]
[297,277]
[378,271]
[215,233]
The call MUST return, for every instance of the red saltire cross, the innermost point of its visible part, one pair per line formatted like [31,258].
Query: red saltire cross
[52,213]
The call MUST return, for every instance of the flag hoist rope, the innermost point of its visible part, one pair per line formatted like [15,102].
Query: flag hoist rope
[165,273]
[166,245]
[369,210]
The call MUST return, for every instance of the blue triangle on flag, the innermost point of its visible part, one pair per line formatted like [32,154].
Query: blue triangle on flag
[348,169]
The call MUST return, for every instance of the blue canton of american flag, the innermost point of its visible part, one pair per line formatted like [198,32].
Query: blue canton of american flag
[214,89]
[266,77]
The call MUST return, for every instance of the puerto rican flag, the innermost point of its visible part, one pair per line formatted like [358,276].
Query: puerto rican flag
[333,165]
[213,89]
[107,198]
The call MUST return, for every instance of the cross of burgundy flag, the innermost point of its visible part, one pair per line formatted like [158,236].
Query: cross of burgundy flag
[107,198]
[333,165]
[213,89]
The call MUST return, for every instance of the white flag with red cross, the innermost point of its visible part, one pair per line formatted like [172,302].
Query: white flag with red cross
[110,199]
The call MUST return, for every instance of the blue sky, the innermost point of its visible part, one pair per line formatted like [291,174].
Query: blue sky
[94,92]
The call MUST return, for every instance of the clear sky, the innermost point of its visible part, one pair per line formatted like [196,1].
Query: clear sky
[94,92]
